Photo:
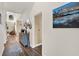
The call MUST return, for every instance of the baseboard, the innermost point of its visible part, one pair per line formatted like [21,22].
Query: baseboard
[37,45]
[1,49]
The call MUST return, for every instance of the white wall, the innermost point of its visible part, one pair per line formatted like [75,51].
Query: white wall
[2,29]
[55,41]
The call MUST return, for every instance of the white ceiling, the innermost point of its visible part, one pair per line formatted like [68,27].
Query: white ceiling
[18,7]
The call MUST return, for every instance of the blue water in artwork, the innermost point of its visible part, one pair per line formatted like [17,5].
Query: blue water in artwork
[67,21]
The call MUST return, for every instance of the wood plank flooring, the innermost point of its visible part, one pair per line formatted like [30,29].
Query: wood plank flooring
[33,51]
[14,48]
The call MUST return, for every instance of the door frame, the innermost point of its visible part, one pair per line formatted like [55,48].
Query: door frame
[40,29]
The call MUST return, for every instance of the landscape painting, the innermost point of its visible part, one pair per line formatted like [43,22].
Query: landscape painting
[66,16]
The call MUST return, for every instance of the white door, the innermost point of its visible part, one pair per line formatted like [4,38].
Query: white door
[38,29]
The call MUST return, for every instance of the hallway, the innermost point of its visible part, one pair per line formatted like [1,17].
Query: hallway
[14,48]
[17,18]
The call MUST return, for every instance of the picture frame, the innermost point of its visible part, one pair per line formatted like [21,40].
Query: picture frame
[66,16]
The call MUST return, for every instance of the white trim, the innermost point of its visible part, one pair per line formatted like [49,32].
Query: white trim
[36,45]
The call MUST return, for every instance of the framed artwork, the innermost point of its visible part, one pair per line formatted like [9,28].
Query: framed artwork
[66,16]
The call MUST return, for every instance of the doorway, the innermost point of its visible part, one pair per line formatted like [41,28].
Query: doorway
[18,26]
[38,29]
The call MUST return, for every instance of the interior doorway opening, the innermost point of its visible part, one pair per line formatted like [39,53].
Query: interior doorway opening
[38,31]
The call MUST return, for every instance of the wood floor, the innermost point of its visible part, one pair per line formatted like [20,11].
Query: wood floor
[32,51]
[14,48]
